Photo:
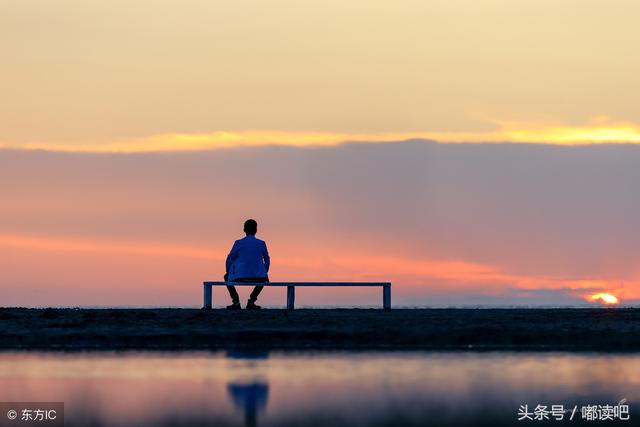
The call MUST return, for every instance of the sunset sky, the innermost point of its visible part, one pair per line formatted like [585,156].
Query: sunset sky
[471,152]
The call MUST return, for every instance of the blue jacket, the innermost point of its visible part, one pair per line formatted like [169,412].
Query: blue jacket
[248,258]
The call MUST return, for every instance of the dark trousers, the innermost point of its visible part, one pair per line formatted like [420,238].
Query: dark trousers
[254,294]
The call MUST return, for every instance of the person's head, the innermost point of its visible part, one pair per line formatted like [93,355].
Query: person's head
[251,227]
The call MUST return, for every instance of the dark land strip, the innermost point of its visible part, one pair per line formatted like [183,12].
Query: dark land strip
[598,329]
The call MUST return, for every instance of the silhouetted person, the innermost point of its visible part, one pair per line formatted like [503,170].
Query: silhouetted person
[248,261]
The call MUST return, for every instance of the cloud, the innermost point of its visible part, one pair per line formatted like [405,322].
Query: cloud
[601,130]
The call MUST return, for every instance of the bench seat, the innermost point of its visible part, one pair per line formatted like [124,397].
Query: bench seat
[291,286]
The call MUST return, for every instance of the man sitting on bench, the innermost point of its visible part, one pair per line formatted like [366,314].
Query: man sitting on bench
[249,262]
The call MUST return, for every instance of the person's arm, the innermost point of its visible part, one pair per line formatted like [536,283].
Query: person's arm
[265,257]
[232,256]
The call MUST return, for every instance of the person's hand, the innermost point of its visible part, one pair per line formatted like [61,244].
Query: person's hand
[226,277]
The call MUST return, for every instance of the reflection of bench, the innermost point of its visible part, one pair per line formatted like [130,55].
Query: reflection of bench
[291,289]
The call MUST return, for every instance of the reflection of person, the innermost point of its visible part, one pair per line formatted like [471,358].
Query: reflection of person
[251,398]
[248,261]
[249,394]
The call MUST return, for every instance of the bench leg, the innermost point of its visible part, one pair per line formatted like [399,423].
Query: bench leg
[386,297]
[291,297]
[208,297]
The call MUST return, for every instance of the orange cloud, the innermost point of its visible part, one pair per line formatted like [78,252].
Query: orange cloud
[66,245]
[291,259]
[601,130]
[187,263]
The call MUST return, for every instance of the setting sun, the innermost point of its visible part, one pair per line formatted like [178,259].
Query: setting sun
[605,298]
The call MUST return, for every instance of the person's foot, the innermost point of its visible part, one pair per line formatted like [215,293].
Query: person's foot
[234,306]
[253,306]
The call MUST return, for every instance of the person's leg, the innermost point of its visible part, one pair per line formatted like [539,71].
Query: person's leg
[254,294]
[256,291]
[235,298]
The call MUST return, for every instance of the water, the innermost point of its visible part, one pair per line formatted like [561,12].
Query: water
[318,389]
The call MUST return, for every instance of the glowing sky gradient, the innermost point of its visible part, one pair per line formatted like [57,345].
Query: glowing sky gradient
[496,159]
[448,224]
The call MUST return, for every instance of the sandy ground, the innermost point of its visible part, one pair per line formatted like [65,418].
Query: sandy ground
[355,329]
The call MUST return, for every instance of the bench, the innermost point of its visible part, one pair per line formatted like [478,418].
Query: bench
[291,289]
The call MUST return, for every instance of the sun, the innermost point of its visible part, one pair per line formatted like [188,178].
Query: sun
[605,298]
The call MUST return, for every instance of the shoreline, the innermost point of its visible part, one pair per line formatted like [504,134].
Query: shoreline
[445,329]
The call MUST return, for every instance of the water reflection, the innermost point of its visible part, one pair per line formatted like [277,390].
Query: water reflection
[250,397]
[315,389]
